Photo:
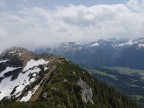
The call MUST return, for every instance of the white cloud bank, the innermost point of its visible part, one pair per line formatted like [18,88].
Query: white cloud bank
[34,26]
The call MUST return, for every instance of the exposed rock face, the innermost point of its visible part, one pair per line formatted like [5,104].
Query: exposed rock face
[44,95]
[86,92]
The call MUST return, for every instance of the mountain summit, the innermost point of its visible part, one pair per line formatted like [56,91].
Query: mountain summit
[46,81]
[111,52]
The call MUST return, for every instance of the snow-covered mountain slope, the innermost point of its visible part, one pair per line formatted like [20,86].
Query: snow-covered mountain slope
[18,72]
[28,75]
[47,81]
[77,46]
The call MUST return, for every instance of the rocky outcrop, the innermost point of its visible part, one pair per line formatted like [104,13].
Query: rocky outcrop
[86,91]
[44,95]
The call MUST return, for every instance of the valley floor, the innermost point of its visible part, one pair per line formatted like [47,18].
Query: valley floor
[129,81]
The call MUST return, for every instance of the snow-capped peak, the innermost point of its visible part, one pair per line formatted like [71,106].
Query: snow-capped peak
[95,44]
[141,46]
[130,42]
[17,73]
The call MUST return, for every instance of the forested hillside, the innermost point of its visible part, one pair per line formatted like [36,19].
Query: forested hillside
[66,85]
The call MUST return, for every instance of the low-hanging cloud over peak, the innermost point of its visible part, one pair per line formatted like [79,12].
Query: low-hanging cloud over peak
[31,27]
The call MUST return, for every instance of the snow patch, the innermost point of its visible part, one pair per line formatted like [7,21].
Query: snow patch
[95,44]
[29,95]
[45,68]
[23,80]
[15,52]
[3,61]
[33,63]
[141,46]
[121,45]
[8,69]
[130,42]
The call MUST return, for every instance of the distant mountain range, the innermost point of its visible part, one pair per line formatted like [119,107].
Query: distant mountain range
[46,81]
[117,62]
[111,52]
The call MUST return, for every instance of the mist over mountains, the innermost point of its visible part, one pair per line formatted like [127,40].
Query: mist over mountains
[30,24]
[111,52]
[78,50]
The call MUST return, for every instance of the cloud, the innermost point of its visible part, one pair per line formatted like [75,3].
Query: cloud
[32,27]
[137,5]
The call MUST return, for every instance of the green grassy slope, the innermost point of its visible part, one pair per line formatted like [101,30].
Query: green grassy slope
[63,91]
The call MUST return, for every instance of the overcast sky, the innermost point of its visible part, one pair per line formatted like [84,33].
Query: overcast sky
[34,23]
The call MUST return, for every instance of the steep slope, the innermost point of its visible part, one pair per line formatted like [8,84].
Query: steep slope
[129,81]
[46,81]
[126,54]
[19,69]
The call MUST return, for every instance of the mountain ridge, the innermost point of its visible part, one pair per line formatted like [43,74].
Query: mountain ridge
[44,80]
[111,52]
[117,62]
